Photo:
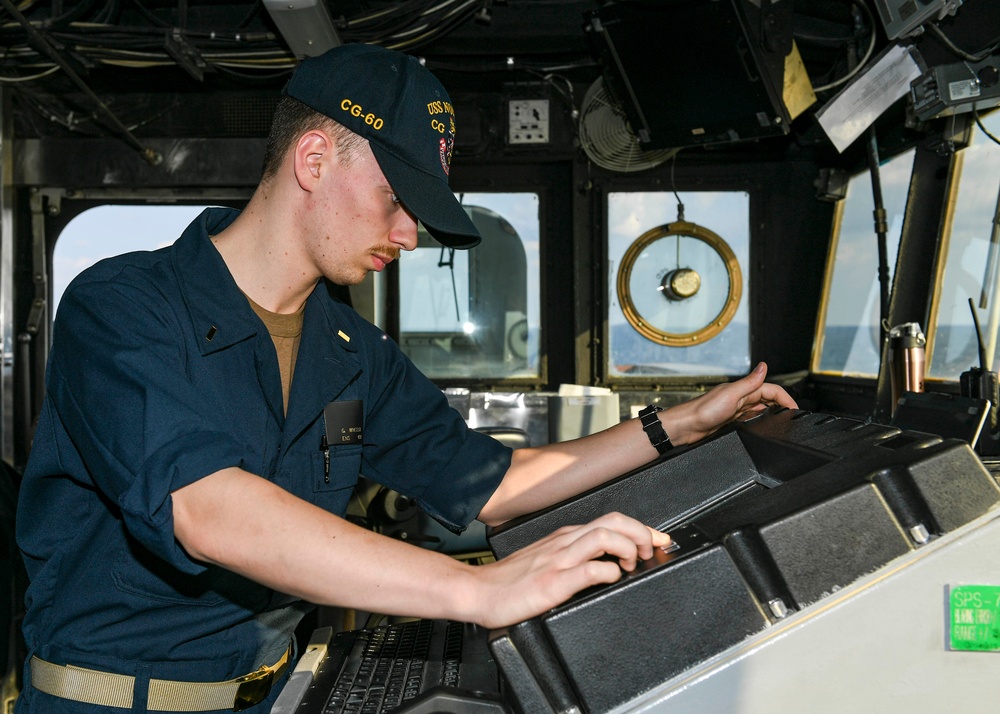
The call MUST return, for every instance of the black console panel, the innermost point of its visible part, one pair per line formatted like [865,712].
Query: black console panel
[769,516]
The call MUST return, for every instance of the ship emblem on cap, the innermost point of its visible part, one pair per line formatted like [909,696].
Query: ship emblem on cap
[445,151]
[445,146]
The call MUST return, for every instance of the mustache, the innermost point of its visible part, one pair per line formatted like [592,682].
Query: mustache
[389,251]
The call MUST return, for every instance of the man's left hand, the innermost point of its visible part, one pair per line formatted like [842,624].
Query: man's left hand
[696,419]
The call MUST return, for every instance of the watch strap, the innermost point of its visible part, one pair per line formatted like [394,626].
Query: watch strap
[653,427]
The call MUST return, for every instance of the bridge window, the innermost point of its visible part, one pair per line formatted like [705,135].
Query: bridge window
[464,314]
[678,288]
[475,314]
[849,324]
[972,260]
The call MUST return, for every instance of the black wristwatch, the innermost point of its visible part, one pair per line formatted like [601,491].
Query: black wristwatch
[654,429]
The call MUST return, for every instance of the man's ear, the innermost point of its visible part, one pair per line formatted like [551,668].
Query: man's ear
[313,154]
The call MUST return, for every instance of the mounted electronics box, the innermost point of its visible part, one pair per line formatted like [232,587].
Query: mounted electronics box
[957,88]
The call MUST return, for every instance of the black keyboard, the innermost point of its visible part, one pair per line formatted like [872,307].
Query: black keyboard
[401,666]
[386,668]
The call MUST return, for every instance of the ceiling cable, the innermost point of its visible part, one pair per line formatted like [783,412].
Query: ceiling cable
[151,156]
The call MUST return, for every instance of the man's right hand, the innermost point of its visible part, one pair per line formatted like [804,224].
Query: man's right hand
[551,570]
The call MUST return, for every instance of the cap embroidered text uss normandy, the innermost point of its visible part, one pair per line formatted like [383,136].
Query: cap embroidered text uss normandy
[405,113]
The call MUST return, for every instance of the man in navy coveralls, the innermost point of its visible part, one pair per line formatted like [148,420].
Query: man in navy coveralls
[183,504]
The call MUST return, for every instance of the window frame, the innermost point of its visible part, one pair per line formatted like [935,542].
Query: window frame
[836,226]
[944,249]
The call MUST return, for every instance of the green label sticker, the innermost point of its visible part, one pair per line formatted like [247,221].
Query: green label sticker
[975,617]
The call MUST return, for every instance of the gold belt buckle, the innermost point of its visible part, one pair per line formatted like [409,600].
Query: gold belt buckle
[253,688]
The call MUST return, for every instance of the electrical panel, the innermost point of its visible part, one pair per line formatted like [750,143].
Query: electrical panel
[528,121]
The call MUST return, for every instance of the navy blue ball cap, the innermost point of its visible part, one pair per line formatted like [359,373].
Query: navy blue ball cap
[396,103]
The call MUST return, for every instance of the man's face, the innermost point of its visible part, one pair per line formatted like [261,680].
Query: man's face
[360,224]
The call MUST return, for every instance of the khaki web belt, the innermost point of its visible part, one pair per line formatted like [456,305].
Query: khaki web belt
[116,690]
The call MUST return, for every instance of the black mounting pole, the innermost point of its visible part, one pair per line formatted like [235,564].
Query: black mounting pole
[881,229]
